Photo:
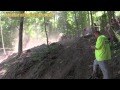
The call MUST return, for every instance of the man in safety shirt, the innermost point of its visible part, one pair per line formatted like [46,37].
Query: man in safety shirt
[102,55]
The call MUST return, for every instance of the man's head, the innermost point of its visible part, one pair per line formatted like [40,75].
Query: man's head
[97,34]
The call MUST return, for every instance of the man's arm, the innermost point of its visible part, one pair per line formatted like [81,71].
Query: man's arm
[99,44]
[93,47]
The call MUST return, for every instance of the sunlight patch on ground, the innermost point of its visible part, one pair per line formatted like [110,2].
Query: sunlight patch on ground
[2,72]
[2,58]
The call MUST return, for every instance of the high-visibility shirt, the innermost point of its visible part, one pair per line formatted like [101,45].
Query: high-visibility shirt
[103,51]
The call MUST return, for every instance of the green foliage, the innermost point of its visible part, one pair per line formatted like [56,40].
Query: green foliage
[63,21]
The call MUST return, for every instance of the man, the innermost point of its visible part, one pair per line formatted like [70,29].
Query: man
[102,55]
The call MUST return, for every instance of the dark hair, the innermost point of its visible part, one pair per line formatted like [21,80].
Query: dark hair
[97,32]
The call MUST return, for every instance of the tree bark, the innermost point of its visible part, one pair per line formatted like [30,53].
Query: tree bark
[88,19]
[20,46]
[112,34]
[113,14]
[91,20]
[109,16]
[104,12]
[46,32]
[54,20]
[77,28]
[2,37]
[64,21]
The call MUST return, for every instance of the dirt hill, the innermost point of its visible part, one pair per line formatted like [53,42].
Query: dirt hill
[67,59]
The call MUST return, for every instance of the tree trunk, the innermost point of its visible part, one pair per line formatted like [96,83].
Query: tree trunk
[112,34]
[104,24]
[109,16]
[104,12]
[91,20]
[54,20]
[88,19]
[77,28]
[46,32]
[2,37]
[66,23]
[20,49]
[63,21]
[67,28]
[113,14]
[63,27]
[82,20]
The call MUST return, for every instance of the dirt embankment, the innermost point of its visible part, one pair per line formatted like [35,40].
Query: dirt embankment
[67,59]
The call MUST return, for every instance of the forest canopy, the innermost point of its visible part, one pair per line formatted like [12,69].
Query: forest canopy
[71,23]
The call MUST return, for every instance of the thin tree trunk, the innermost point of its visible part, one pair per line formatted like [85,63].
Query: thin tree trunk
[113,14]
[20,46]
[109,17]
[46,32]
[54,20]
[104,12]
[77,28]
[63,21]
[81,20]
[2,37]
[56,15]
[63,24]
[80,28]
[91,20]
[66,23]
[88,19]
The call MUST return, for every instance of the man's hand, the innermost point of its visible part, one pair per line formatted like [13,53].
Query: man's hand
[93,47]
